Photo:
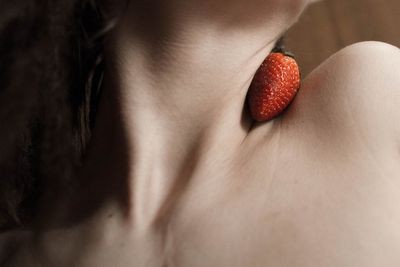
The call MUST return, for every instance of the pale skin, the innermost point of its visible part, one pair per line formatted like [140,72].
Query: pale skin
[178,174]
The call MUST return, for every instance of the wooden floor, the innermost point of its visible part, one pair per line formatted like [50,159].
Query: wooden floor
[330,25]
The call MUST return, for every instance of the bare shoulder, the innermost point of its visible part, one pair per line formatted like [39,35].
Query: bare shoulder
[337,149]
[373,62]
[355,93]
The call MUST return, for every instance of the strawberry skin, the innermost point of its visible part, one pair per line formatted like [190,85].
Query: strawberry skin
[274,86]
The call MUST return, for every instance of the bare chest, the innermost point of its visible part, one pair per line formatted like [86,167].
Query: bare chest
[300,207]
[307,205]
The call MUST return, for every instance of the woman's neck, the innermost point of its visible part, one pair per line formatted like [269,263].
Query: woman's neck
[173,102]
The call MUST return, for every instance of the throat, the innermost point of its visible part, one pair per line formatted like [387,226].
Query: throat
[169,110]
[143,162]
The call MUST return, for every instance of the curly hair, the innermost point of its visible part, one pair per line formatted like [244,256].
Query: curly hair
[50,71]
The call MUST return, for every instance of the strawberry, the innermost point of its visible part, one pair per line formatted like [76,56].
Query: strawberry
[274,86]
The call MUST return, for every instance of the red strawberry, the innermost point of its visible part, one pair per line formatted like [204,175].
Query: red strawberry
[274,86]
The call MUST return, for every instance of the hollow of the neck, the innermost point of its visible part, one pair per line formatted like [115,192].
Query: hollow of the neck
[168,110]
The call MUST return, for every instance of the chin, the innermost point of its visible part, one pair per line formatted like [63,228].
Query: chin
[253,13]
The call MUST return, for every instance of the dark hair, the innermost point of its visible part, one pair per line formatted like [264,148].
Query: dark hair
[50,71]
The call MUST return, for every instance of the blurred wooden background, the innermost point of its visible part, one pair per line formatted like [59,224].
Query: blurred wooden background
[330,25]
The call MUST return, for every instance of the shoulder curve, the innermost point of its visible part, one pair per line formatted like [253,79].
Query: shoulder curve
[369,60]
[367,76]
[363,58]
[370,48]
[370,67]
[356,90]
